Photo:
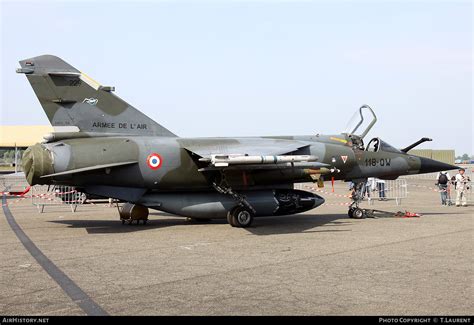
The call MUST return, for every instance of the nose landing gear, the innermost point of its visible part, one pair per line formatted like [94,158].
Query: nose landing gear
[356,213]
[357,195]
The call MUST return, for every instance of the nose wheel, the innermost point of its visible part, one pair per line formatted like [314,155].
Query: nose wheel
[350,213]
[355,211]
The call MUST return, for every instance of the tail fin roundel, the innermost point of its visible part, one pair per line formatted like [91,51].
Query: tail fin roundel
[71,98]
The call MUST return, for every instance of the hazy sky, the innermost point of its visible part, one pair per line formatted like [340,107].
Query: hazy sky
[247,68]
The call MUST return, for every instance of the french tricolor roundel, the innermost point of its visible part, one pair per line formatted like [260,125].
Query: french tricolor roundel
[154,161]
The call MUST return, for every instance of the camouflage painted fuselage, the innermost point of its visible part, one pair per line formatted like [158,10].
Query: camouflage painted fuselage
[179,169]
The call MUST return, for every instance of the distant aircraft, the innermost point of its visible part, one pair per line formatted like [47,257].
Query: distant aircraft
[115,151]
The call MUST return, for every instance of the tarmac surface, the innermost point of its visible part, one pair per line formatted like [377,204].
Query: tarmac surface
[317,263]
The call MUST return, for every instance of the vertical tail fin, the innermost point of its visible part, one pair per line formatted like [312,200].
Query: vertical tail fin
[71,98]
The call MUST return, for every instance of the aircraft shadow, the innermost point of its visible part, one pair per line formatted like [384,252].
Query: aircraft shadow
[294,224]
[116,226]
[261,226]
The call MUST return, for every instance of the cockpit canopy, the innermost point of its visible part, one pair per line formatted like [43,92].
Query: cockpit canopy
[376,145]
[361,123]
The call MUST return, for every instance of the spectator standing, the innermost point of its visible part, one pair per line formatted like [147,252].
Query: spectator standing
[369,187]
[381,189]
[462,186]
[442,180]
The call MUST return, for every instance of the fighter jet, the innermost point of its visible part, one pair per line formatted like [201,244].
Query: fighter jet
[103,146]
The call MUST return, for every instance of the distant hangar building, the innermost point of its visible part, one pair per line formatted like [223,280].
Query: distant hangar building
[446,156]
[16,138]
[22,136]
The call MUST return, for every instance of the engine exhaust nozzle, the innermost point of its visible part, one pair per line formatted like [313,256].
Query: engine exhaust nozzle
[37,162]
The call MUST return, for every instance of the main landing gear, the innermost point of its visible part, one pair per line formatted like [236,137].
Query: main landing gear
[242,215]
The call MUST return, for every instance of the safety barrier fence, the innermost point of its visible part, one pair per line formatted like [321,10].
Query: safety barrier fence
[392,189]
[395,189]
[43,195]
[46,195]
[13,183]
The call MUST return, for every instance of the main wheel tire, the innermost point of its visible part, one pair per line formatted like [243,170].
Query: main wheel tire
[241,217]
[358,213]
[350,213]
[230,219]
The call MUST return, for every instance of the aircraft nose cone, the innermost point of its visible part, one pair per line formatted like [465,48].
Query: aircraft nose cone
[429,166]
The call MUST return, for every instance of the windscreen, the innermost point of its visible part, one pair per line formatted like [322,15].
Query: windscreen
[376,145]
[384,146]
